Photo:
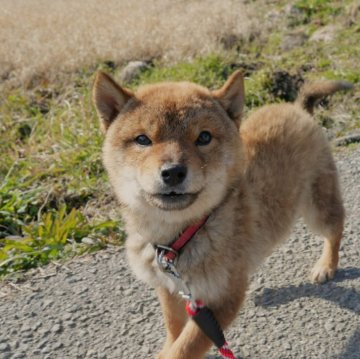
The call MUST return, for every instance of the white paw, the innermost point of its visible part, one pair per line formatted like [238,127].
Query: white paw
[322,272]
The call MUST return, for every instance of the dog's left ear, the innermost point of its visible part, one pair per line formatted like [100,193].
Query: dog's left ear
[232,96]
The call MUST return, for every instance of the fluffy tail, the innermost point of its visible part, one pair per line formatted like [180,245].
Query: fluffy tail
[312,92]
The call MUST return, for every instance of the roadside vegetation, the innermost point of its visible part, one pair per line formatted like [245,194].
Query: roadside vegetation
[55,200]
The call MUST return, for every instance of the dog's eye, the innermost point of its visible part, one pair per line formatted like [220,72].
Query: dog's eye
[204,138]
[143,140]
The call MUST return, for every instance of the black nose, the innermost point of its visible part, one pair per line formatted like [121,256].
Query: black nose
[173,175]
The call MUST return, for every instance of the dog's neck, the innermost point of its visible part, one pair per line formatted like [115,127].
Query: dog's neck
[154,227]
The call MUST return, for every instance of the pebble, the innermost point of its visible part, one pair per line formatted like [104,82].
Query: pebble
[19,356]
[4,347]
[36,326]
[132,70]
[15,344]
[26,328]
[325,34]
[58,346]
[329,326]
[45,350]
[42,344]
[27,335]
[293,40]
[47,303]
[67,316]
[43,332]
[56,328]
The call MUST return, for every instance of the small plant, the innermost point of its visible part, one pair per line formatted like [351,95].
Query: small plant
[209,71]
[57,234]
[320,11]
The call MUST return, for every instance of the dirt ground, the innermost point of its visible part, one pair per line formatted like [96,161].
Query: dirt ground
[93,307]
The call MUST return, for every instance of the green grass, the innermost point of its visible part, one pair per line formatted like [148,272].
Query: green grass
[54,235]
[319,11]
[210,71]
[54,191]
[51,171]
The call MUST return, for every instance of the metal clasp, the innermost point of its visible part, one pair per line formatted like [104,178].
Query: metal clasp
[168,266]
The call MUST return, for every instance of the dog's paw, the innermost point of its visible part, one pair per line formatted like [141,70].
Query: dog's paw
[322,272]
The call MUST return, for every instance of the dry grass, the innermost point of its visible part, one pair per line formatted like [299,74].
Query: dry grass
[41,37]
[49,137]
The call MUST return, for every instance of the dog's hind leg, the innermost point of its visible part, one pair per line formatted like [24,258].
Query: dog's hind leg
[324,213]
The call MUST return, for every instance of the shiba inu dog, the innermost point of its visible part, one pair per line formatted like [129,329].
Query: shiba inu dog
[177,153]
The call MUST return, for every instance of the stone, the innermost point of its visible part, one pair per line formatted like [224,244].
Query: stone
[89,241]
[47,303]
[325,34]
[56,328]
[19,356]
[293,40]
[133,70]
[67,316]
[58,346]
[4,347]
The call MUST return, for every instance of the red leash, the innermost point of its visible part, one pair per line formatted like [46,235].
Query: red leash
[166,257]
[184,238]
[213,330]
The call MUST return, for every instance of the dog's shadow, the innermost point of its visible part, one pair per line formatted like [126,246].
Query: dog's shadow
[347,298]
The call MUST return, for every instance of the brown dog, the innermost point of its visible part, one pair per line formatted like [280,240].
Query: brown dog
[177,152]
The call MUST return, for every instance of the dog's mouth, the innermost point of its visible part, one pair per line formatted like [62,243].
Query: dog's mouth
[172,200]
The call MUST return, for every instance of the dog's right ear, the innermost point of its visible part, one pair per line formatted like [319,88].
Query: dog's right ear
[109,98]
[232,96]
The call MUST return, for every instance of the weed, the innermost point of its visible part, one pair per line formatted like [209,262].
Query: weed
[209,71]
[55,235]
[319,11]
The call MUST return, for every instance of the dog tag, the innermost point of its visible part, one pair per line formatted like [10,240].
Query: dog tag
[207,322]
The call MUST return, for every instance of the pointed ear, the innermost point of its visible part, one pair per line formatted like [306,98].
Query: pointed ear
[109,98]
[232,97]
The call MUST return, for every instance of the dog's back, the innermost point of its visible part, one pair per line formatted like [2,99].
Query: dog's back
[290,170]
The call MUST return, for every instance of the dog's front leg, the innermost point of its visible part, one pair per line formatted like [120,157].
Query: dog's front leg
[175,317]
[192,342]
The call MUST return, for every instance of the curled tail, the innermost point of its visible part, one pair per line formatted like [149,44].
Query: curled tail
[312,92]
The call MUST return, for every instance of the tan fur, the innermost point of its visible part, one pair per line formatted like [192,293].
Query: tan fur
[314,91]
[253,185]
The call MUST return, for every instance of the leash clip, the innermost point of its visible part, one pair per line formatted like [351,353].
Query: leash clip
[166,264]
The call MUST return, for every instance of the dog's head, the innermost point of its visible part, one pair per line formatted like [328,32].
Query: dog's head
[171,148]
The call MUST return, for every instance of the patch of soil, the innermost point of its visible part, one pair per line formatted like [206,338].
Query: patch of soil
[285,86]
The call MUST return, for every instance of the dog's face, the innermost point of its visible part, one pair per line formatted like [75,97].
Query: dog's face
[173,147]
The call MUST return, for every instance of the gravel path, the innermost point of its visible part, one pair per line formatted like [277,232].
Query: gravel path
[93,307]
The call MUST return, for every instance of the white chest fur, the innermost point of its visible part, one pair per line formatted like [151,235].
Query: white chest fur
[200,264]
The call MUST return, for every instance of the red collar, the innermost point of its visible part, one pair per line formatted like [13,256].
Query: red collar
[171,251]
